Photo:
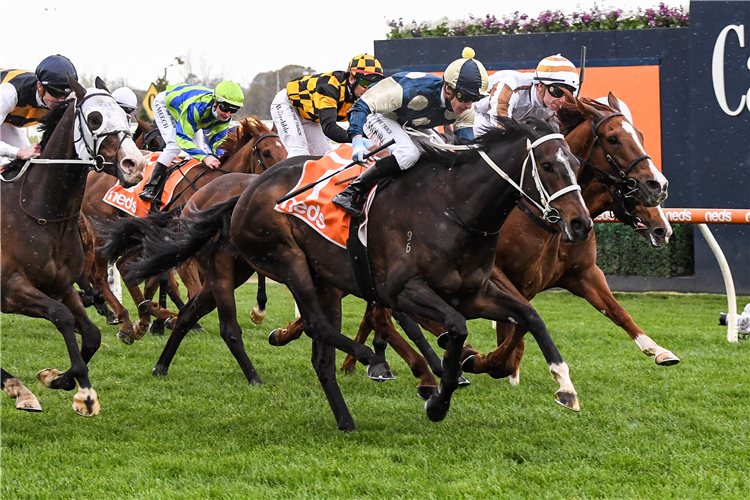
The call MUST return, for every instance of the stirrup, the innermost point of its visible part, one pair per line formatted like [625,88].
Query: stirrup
[149,193]
[349,204]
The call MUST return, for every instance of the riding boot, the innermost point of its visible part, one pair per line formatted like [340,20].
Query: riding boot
[152,187]
[352,199]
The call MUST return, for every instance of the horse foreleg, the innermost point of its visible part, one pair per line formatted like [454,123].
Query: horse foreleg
[592,286]
[258,314]
[365,327]
[282,336]
[505,306]
[427,386]
[126,332]
[14,388]
[504,361]
[414,332]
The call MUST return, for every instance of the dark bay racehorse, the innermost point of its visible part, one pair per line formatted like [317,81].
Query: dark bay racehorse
[42,252]
[251,147]
[432,237]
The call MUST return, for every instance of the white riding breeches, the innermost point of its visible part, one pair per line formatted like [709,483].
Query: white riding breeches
[380,130]
[298,135]
[168,129]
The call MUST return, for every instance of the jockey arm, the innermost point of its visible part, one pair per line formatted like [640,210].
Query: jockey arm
[8,102]
[326,100]
[186,128]
[386,96]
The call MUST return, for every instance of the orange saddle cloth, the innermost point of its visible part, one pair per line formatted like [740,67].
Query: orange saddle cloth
[315,206]
[128,199]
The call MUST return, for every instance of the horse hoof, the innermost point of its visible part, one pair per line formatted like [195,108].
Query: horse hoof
[157,328]
[198,328]
[143,306]
[436,408]
[468,364]
[86,403]
[443,340]
[272,338]
[568,399]
[127,338]
[47,376]
[28,402]
[427,391]
[159,371]
[666,359]
[169,322]
[140,330]
[257,315]
[380,372]
[112,318]
[463,382]
[255,381]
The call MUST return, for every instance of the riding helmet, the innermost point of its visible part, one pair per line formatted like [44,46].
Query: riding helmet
[366,67]
[467,76]
[229,92]
[53,71]
[557,70]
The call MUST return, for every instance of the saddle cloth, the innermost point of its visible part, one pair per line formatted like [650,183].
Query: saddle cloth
[127,199]
[315,206]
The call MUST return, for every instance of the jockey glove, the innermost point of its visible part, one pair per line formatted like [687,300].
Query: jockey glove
[359,149]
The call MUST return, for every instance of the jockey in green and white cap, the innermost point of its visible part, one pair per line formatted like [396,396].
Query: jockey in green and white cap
[182,113]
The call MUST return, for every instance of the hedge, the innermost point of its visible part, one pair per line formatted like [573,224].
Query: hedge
[622,252]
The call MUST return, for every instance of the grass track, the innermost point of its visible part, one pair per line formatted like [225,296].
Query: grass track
[643,431]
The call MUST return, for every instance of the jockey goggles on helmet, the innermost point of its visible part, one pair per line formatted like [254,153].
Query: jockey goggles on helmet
[556,89]
[227,108]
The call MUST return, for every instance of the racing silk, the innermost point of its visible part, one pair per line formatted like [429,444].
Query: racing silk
[512,94]
[412,99]
[20,105]
[190,106]
[323,98]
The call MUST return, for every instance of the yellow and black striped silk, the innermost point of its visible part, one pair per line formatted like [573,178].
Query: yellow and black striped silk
[27,112]
[312,93]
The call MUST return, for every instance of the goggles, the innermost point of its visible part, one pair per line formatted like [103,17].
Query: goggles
[556,90]
[465,97]
[56,92]
[228,108]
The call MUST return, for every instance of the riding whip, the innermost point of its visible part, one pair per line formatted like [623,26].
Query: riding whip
[313,184]
[583,69]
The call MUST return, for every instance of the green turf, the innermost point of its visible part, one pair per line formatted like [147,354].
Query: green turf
[643,431]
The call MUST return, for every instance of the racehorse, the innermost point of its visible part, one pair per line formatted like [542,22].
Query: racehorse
[532,254]
[432,234]
[251,147]
[42,252]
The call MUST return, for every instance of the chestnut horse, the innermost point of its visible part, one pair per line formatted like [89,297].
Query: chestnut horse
[251,147]
[42,252]
[433,262]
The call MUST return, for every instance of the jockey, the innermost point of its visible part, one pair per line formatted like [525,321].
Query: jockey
[412,99]
[513,94]
[25,97]
[306,111]
[126,98]
[181,112]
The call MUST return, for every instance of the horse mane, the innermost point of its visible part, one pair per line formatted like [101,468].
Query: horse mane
[508,129]
[570,115]
[249,128]
[49,121]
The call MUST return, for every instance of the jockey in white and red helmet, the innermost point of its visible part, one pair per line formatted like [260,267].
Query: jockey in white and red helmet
[513,93]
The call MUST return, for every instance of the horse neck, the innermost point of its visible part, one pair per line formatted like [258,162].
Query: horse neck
[243,161]
[480,196]
[598,200]
[58,187]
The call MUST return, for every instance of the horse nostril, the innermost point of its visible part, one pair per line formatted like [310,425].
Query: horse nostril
[581,226]
[655,186]
[128,164]
[660,232]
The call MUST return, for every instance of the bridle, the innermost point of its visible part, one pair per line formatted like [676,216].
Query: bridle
[622,187]
[88,153]
[257,153]
[623,179]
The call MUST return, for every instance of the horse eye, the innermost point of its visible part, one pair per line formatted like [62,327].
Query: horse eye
[266,154]
[547,166]
[95,120]
[612,139]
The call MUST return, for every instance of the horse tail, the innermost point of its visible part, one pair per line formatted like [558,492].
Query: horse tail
[125,235]
[170,246]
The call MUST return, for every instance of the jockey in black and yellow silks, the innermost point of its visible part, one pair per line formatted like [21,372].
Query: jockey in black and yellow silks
[27,96]
[307,110]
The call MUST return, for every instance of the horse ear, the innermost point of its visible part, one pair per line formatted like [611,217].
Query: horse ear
[143,125]
[99,83]
[614,102]
[77,87]
[274,129]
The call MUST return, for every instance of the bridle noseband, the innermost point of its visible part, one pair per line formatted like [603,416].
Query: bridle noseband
[256,153]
